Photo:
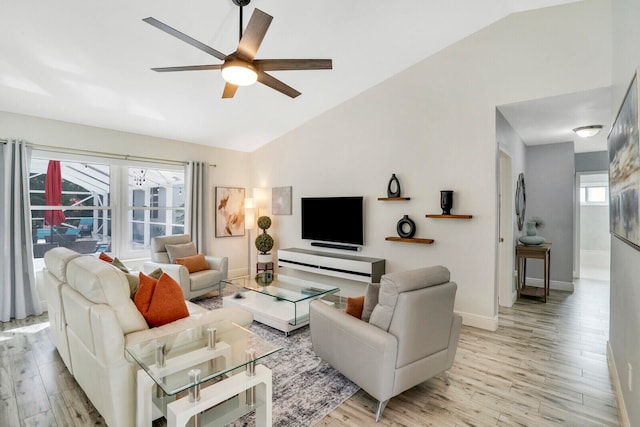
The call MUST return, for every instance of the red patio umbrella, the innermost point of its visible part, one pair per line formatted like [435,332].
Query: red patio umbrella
[53,193]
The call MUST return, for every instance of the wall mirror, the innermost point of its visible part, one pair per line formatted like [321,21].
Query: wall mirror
[521,201]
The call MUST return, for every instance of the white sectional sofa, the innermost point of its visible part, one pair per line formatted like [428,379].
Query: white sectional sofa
[93,319]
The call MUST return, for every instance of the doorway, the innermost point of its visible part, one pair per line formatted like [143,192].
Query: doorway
[594,242]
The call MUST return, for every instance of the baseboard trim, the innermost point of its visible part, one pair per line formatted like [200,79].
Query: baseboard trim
[615,379]
[553,284]
[481,322]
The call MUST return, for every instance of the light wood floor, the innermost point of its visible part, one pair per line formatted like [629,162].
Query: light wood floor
[545,366]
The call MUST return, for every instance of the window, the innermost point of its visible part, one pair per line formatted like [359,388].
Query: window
[135,202]
[156,204]
[594,195]
[74,209]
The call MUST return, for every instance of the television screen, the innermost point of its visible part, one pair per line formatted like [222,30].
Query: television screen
[333,219]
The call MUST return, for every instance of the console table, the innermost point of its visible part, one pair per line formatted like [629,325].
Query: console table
[361,269]
[542,252]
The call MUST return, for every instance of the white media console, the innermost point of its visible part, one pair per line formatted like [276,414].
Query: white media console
[348,272]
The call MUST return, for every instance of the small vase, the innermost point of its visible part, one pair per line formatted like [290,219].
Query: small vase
[393,182]
[531,229]
[532,238]
[406,221]
[446,201]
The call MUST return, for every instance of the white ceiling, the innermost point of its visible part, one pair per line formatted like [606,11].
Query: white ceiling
[88,62]
[551,120]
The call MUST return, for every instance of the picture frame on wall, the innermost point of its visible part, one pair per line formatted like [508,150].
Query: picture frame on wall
[624,169]
[229,218]
[281,200]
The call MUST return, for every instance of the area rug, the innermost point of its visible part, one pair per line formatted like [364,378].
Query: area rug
[305,389]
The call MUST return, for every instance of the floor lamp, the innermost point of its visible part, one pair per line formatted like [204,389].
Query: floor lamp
[249,224]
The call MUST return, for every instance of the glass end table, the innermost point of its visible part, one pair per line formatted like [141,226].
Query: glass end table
[178,365]
[281,302]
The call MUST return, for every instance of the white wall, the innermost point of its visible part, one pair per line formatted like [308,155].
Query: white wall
[232,166]
[434,125]
[624,336]
[550,196]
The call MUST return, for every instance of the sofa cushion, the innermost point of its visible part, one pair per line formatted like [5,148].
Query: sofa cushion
[395,283]
[100,283]
[370,300]
[204,279]
[160,301]
[354,306]
[194,263]
[56,260]
[104,257]
[180,251]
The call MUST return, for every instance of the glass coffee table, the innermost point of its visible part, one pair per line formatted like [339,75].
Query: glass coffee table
[282,302]
[177,366]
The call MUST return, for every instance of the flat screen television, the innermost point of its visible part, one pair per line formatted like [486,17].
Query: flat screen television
[333,219]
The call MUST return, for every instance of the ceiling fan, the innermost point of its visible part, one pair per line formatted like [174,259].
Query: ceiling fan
[240,68]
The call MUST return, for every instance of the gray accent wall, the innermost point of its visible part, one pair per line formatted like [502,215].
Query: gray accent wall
[549,182]
[624,325]
[591,162]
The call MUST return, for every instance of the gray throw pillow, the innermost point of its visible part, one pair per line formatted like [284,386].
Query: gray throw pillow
[370,300]
[180,251]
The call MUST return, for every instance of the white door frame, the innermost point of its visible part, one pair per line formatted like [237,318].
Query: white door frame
[506,256]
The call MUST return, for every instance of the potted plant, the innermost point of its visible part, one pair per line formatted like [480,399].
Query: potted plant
[264,242]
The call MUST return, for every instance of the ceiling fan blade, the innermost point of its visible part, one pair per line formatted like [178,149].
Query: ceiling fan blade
[189,68]
[229,90]
[293,64]
[276,84]
[185,38]
[254,34]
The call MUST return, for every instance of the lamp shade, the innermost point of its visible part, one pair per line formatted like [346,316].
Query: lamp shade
[588,131]
[249,214]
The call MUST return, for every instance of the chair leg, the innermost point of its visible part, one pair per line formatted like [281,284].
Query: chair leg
[381,406]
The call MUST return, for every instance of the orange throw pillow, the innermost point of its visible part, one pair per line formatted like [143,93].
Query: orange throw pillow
[160,301]
[355,306]
[104,257]
[193,263]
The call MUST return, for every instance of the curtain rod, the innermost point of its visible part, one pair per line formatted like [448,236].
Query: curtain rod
[55,149]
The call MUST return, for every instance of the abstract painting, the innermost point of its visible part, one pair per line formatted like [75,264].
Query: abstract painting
[281,201]
[624,170]
[229,211]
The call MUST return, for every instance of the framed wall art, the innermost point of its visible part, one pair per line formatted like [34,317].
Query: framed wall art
[281,200]
[624,169]
[229,211]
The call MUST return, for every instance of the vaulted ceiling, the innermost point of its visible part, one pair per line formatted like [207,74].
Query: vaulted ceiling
[89,62]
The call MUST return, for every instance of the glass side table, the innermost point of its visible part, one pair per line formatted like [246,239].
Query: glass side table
[177,366]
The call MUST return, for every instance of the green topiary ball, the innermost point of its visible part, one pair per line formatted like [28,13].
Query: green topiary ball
[264,242]
[264,222]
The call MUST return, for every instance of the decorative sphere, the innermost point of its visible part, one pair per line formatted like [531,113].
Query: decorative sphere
[264,242]
[264,222]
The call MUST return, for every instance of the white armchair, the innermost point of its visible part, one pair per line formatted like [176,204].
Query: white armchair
[412,334]
[193,284]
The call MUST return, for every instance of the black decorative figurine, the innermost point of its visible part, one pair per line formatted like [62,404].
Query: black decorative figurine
[407,234]
[446,201]
[390,191]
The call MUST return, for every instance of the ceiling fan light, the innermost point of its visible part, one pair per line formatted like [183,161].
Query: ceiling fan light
[588,131]
[239,73]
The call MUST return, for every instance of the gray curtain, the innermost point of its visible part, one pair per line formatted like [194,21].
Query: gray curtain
[18,294]
[198,175]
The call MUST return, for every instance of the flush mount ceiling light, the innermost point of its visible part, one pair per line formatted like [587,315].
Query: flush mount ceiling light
[587,131]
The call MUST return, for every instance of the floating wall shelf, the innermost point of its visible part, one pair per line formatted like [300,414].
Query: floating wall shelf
[410,240]
[395,199]
[449,216]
